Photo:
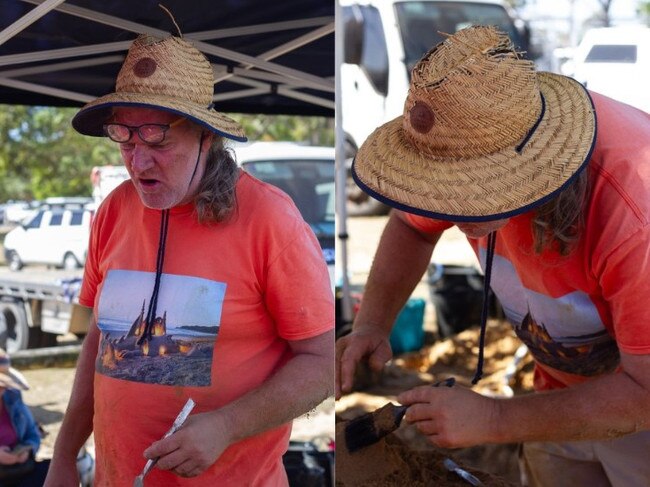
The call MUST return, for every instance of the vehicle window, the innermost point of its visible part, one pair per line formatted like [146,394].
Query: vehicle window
[612,53]
[36,221]
[420,22]
[310,183]
[56,219]
[76,218]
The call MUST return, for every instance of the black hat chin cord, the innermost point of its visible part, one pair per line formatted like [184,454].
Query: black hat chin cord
[160,260]
[491,244]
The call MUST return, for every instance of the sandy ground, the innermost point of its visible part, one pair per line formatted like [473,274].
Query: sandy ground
[50,392]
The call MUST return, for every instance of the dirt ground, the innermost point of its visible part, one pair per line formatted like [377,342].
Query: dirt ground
[438,359]
[50,390]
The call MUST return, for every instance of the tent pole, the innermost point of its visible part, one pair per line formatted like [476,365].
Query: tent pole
[341,174]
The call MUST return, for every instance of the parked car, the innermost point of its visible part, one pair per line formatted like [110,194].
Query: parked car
[57,237]
[17,211]
[306,174]
[615,62]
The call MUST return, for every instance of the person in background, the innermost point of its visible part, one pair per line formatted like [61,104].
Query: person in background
[20,436]
[206,284]
[558,214]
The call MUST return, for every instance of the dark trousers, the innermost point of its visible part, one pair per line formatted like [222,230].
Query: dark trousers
[36,478]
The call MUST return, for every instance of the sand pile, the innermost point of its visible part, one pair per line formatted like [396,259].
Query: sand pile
[391,463]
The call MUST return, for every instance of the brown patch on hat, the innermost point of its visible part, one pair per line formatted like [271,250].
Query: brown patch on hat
[421,117]
[145,67]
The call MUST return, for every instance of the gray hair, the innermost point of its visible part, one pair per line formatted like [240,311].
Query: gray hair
[216,199]
[558,224]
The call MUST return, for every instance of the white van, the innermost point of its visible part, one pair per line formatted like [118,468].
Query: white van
[57,237]
[615,62]
[383,41]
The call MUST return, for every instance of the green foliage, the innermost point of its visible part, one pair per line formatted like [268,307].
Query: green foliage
[644,10]
[41,155]
[311,130]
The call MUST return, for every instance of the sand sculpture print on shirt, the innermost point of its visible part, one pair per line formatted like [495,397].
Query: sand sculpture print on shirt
[179,350]
[563,332]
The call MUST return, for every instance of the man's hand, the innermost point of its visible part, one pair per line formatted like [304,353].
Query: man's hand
[451,417]
[365,341]
[194,447]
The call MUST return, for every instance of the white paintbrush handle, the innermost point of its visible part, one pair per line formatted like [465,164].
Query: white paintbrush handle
[178,422]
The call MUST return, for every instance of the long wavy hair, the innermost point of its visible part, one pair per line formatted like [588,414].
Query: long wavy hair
[216,198]
[559,223]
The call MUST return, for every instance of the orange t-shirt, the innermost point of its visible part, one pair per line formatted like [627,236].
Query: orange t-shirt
[575,313]
[231,296]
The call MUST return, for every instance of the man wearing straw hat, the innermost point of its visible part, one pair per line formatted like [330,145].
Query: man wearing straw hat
[205,283]
[558,214]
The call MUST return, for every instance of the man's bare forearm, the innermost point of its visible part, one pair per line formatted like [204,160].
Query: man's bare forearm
[401,259]
[603,408]
[78,421]
[299,386]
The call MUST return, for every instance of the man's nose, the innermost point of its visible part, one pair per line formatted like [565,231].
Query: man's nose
[141,159]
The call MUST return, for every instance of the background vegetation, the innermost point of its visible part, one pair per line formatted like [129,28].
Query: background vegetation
[41,155]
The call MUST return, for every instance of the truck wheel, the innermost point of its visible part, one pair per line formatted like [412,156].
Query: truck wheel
[15,264]
[14,331]
[70,262]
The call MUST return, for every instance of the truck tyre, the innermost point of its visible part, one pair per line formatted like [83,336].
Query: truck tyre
[70,262]
[14,262]
[14,331]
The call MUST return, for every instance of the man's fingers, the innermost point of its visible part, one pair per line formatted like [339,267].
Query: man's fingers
[420,394]
[349,359]
[189,468]
[380,356]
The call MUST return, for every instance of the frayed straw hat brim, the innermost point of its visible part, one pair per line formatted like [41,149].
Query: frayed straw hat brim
[90,119]
[497,185]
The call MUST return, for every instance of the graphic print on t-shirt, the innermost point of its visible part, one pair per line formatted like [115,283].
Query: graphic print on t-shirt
[177,348]
[564,332]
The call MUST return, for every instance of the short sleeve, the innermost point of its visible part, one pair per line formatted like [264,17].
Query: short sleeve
[298,293]
[91,277]
[426,225]
[626,287]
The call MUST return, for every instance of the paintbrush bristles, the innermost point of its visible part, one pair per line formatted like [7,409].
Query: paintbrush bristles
[372,427]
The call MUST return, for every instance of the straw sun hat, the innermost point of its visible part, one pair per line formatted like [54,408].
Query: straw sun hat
[168,74]
[483,136]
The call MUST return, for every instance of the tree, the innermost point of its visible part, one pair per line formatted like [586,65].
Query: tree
[604,13]
[41,155]
[311,130]
[644,11]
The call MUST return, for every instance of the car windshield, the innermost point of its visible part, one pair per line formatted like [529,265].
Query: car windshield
[310,183]
[612,53]
[421,22]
